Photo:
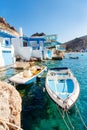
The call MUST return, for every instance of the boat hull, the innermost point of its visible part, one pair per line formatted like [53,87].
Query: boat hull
[19,79]
[69,100]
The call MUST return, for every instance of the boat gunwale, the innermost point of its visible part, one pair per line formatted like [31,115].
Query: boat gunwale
[76,85]
[27,79]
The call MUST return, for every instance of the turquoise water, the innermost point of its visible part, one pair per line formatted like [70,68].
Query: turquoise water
[7,73]
[39,112]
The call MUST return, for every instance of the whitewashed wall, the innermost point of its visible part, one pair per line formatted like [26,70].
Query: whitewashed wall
[4,48]
[23,52]
[37,54]
[1,60]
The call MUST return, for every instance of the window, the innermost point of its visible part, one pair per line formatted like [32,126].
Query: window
[25,43]
[6,43]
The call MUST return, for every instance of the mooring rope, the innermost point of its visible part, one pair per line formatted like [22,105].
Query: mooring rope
[63,118]
[70,121]
[81,117]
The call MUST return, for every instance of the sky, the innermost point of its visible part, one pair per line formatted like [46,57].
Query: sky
[66,18]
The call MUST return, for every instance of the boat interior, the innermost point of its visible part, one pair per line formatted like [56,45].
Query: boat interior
[61,84]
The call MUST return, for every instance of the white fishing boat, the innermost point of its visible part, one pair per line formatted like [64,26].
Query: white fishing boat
[62,87]
[28,76]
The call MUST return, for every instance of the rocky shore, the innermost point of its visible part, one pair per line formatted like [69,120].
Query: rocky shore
[57,55]
[10,107]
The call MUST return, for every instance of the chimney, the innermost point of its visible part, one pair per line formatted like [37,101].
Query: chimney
[21,31]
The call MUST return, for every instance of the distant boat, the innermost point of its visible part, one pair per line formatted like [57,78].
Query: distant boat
[28,76]
[74,57]
[62,87]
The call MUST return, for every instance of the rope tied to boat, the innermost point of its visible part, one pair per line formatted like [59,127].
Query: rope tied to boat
[70,121]
[81,117]
[63,117]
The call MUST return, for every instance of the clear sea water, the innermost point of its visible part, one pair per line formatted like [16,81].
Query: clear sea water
[39,112]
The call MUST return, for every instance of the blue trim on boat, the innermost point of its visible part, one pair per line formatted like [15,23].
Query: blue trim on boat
[59,68]
[70,85]
[32,80]
[63,88]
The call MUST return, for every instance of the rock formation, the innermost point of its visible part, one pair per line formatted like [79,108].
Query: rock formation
[57,55]
[10,107]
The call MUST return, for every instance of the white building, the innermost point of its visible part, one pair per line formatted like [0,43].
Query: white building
[6,49]
[27,47]
[21,48]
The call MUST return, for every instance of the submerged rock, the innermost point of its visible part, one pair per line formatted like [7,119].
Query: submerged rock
[10,107]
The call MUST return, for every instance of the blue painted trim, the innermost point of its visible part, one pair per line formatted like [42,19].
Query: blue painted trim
[30,81]
[6,35]
[33,39]
[6,51]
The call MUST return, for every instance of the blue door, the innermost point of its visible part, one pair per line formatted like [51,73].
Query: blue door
[7,57]
[49,53]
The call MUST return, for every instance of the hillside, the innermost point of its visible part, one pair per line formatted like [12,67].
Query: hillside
[77,44]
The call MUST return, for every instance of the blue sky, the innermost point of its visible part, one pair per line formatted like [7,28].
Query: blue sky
[67,18]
